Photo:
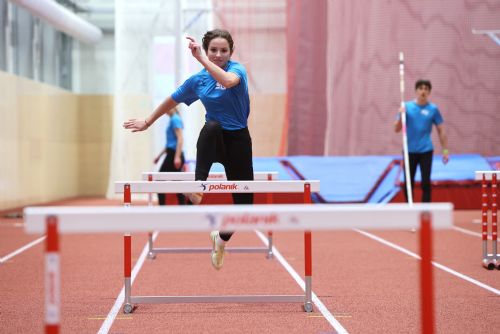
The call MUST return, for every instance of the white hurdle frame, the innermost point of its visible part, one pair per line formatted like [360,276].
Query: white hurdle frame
[214,176]
[305,187]
[190,176]
[286,217]
[490,260]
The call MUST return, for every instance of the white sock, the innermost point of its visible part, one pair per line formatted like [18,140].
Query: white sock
[219,241]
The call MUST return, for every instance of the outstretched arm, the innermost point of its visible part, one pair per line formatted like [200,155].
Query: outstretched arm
[443,139]
[226,79]
[167,107]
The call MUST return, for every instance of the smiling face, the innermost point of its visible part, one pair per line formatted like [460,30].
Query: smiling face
[219,52]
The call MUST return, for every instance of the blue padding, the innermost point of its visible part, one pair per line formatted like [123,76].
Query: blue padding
[388,188]
[263,165]
[460,168]
[272,165]
[350,179]
[343,179]
[217,167]
[494,163]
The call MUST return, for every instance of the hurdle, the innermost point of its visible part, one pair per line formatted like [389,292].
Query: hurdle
[280,217]
[214,176]
[150,187]
[190,176]
[305,187]
[489,202]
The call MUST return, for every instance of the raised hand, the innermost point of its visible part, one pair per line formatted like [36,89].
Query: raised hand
[194,47]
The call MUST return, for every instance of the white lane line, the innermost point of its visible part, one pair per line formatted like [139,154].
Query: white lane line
[106,325]
[475,234]
[321,307]
[435,264]
[20,250]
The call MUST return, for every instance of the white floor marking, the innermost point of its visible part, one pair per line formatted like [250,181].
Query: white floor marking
[106,325]
[475,234]
[435,264]
[321,307]
[20,250]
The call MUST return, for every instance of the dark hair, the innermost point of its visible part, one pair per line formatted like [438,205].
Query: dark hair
[422,82]
[215,34]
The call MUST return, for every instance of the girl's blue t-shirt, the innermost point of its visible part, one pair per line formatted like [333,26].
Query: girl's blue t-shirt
[228,106]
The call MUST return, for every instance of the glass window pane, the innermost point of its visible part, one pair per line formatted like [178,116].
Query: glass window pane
[24,48]
[3,45]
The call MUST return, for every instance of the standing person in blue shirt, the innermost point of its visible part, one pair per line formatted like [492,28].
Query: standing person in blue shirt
[222,87]
[174,161]
[420,116]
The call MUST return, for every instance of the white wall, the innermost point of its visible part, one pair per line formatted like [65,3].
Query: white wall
[93,66]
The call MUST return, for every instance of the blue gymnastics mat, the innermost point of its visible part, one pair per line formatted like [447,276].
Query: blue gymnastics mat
[343,179]
[264,165]
[460,168]
[372,179]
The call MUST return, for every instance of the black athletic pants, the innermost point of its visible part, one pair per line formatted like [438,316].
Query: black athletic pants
[168,166]
[233,149]
[424,160]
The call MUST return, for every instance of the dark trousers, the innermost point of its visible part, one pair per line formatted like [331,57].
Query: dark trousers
[168,166]
[424,160]
[233,149]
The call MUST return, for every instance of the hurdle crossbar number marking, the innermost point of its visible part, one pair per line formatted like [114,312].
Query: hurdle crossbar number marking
[216,186]
[189,176]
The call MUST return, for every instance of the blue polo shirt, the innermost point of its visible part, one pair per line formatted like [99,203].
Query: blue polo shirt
[419,121]
[175,123]
[230,107]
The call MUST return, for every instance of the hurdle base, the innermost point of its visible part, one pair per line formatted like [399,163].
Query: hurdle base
[491,262]
[208,250]
[134,300]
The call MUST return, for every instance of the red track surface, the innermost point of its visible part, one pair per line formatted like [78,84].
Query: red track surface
[366,285]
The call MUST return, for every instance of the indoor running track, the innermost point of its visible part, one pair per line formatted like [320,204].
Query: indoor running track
[366,282]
